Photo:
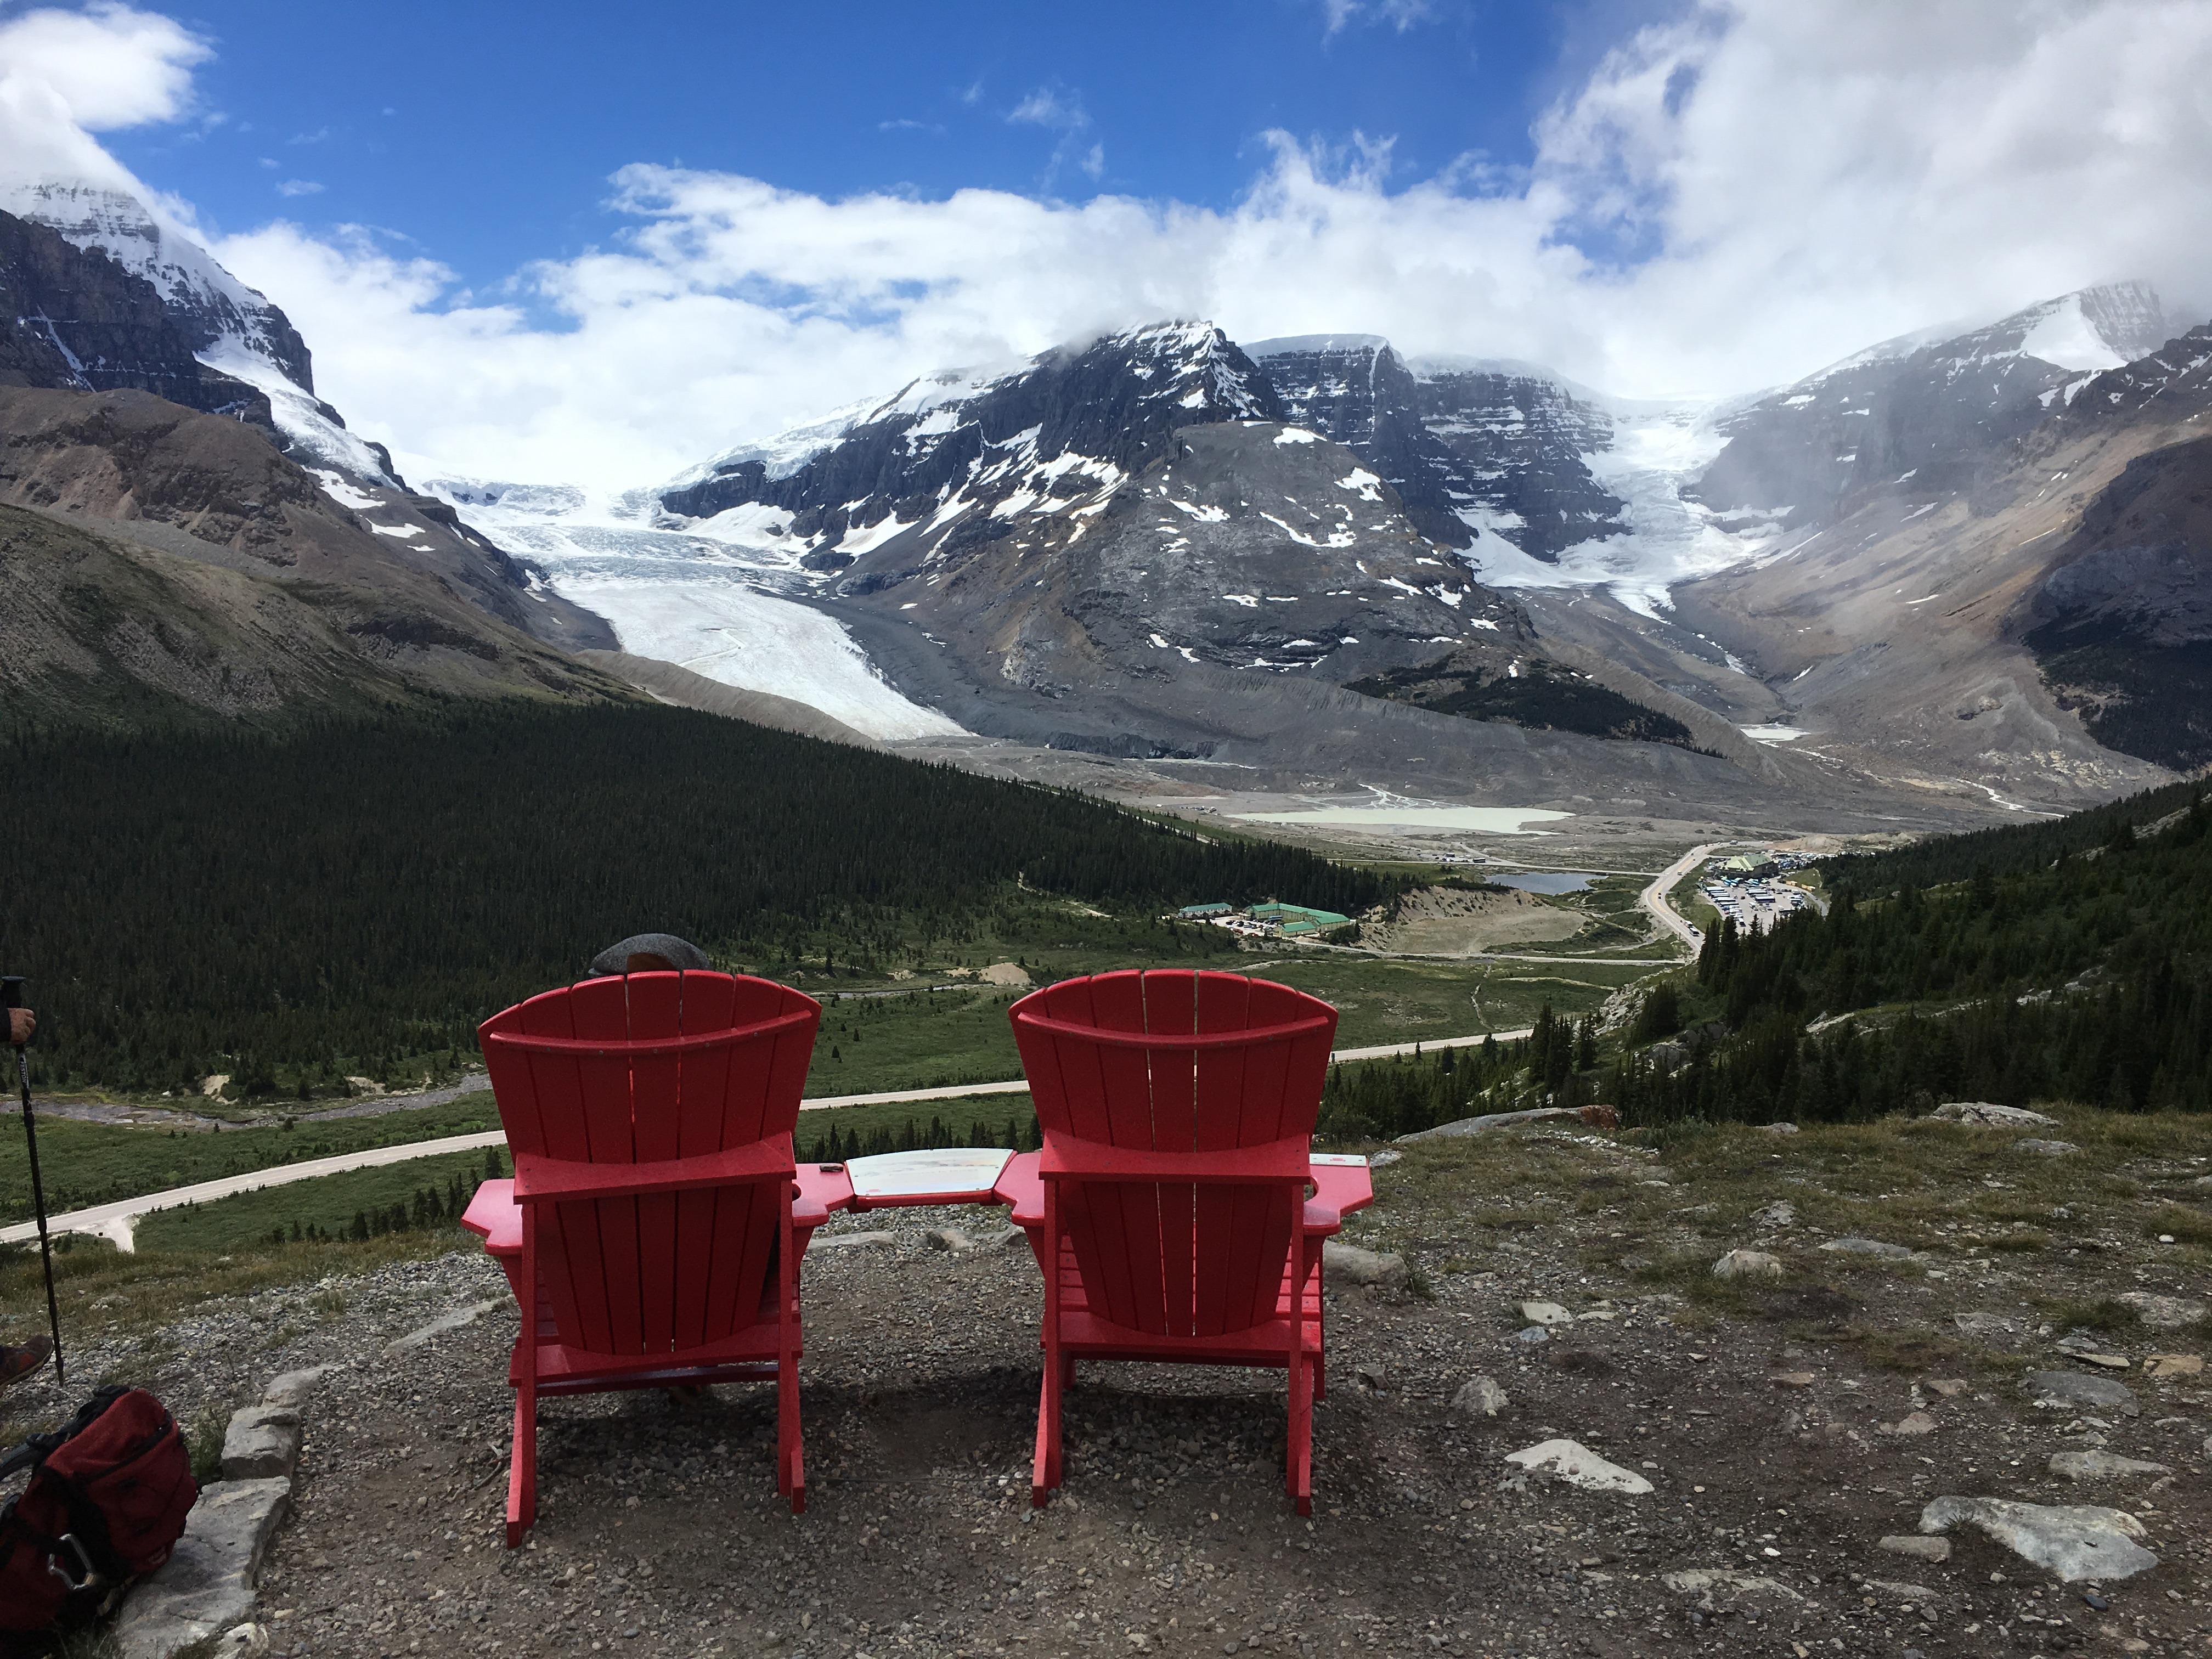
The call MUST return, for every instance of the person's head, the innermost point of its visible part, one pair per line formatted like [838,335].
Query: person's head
[650,953]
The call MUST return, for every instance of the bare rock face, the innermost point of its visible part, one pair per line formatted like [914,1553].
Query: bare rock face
[75,320]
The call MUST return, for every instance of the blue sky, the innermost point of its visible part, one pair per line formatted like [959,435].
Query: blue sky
[486,133]
[477,216]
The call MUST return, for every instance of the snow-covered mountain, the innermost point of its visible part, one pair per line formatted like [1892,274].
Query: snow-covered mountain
[232,329]
[1923,417]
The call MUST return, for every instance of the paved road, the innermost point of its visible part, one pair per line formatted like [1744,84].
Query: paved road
[117,1220]
[1654,897]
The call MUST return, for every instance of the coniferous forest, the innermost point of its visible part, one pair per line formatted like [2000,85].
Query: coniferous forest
[356,899]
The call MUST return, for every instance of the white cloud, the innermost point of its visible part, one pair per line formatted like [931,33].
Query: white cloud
[299,187]
[1047,108]
[1401,15]
[1727,200]
[109,66]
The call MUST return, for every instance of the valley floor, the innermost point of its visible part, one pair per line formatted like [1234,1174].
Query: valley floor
[1787,1427]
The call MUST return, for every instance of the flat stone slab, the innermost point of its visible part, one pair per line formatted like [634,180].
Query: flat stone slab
[1988,1115]
[851,1240]
[2173,1365]
[207,1587]
[293,1387]
[2100,1465]
[261,1444]
[1579,1466]
[1873,1247]
[2046,1148]
[1704,1581]
[1912,1595]
[2162,1312]
[2077,1541]
[2068,1389]
[1546,1313]
[452,1321]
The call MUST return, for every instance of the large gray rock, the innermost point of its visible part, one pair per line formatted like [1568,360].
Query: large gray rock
[2075,1540]
[1351,1264]
[207,1586]
[2047,1148]
[261,1444]
[851,1240]
[1780,1214]
[1490,1123]
[2068,1390]
[1982,1113]
[1748,1264]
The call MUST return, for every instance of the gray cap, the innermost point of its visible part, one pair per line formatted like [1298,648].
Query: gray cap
[679,953]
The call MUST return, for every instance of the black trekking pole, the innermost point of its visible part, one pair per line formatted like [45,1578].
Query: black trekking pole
[11,996]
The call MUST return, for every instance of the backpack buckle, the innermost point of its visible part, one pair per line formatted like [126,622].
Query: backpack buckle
[54,1564]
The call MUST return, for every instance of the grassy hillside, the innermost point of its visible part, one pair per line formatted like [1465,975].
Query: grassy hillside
[353,900]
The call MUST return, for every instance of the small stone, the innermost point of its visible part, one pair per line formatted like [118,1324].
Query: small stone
[262,1442]
[2069,1389]
[1371,1375]
[1579,1466]
[1479,1396]
[1748,1264]
[1794,1379]
[2095,1602]
[1383,1159]
[2173,1365]
[1349,1262]
[1937,1550]
[1949,1388]
[1911,1594]
[246,1641]
[948,1238]
[1987,1326]
[1873,1247]
[2099,1465]
[1781,1213]
[2162,1312]
[1532,1335]
[1984,1114]
[1912,1423]
[1546,1313]
[2047,1148]
[1778,1128]
[2110,1361]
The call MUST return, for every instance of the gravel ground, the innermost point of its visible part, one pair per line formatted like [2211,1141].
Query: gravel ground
[1770,1433]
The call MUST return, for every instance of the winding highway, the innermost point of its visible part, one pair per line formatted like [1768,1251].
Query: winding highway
[117,1220]
[1654,897]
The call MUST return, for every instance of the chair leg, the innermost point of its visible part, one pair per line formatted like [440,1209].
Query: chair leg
[790,1457]
[1044,1471]
[522,1467]
[1298,1476]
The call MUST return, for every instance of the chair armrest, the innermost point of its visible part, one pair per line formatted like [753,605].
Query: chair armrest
[493,1213]
[822,1188]
[1343,1188]
[1091,1160]
[1322,1219]
[1022,1188]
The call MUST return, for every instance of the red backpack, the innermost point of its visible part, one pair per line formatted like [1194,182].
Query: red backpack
[106,1501]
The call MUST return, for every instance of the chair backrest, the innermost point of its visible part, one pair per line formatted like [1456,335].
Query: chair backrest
[661,1273]
[1220,1063]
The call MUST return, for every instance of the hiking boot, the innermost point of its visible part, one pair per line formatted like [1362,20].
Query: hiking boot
[21,1362]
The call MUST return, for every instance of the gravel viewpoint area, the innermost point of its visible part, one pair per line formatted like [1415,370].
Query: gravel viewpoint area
[1881,1342]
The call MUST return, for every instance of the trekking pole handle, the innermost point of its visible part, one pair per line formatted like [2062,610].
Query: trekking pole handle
[11,995]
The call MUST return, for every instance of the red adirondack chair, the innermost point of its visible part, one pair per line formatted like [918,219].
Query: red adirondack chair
[1168,1209]
[653,1228]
